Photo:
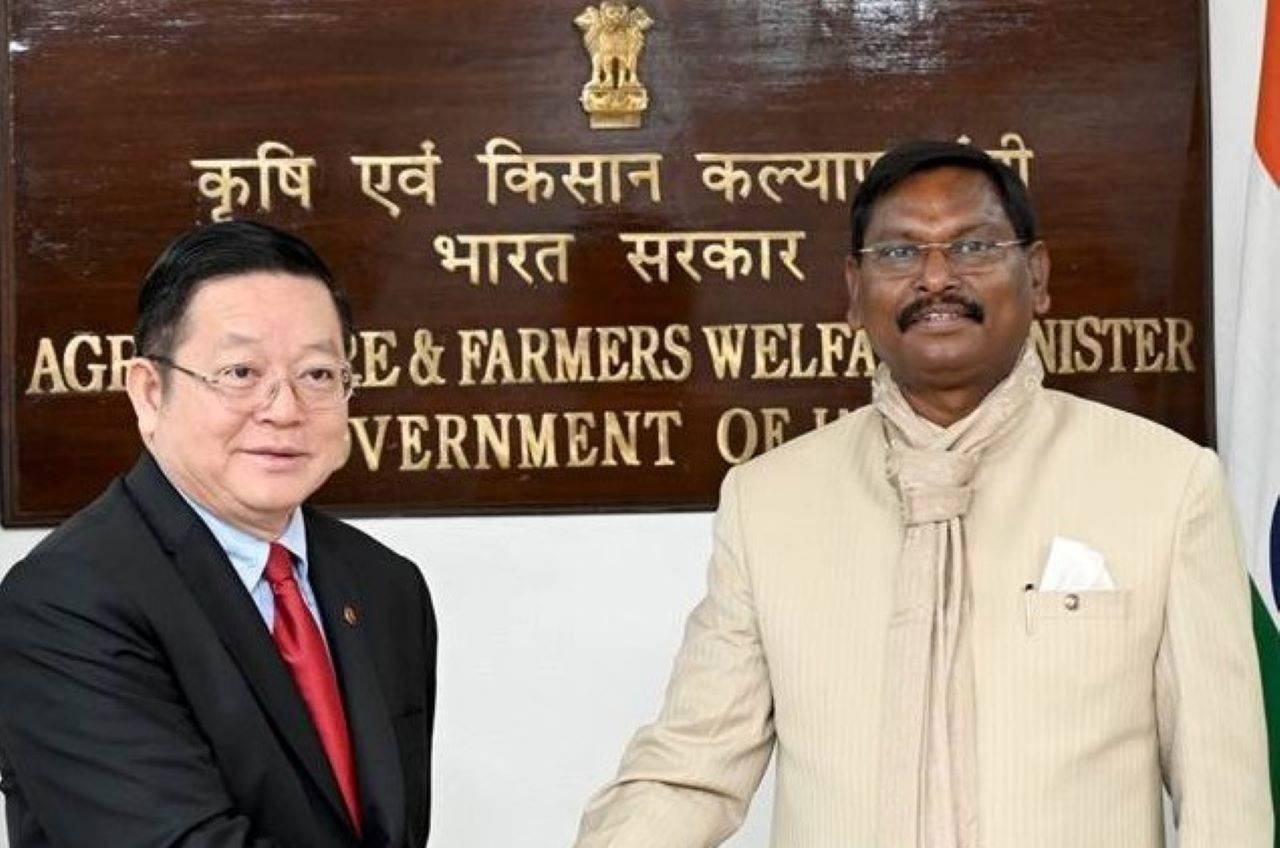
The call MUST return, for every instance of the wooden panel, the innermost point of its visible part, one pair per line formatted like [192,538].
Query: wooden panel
[110,101]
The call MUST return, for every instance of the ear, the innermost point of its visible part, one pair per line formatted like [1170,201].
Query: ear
[146,393]
[1038,265]
[853,281]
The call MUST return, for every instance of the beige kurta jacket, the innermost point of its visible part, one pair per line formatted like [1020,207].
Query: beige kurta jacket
[1085,705]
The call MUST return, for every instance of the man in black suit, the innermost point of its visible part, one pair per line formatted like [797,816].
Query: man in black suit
[196,658]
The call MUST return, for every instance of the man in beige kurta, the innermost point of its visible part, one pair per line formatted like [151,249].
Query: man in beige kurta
[976,613]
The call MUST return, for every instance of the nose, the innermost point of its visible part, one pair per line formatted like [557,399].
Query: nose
[935,271]
[281,404]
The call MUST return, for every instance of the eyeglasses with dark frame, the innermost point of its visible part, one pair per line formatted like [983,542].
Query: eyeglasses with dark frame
[241,387]
[906,259]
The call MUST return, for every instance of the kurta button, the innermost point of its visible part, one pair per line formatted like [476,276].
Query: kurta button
[349,615]
[1071,602]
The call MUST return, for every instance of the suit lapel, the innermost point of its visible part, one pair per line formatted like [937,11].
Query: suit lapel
[204,567]
[368,719]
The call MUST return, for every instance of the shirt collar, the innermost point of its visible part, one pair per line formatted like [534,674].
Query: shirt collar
[248,553]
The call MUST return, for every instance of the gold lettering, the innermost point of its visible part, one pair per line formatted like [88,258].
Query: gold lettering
[769,365]
[780,351]
[535,344]
[484,441]
[1181,333]
[573,360]
[416,177]
[1087,329]
[83,354]
[292,178]
[622,442]
[1065,351]
[1147,359]
[611,368]
[293,174]
[725,440]
[70,363]
[833,336]
[798,370]
[824,173]
[601,175]
[493,439]
[377,346]
[644,350]
[470,344]
[862,362]
[723,176]
[677,338]
[122,349]
[452,430]
[424,365]
[413,457]
[591,354]
[721,252]
[1046,345]
[725,342]
[579,438]
[1116,327]
[816,172]
[1089,344]
[1014,150]
[371,450]
[485,254]
[768,432]
[218,183]
[537,448]
[499,361]
[48,369]
[665,419]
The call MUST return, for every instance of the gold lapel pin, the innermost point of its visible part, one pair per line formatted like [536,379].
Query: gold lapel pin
[350,616]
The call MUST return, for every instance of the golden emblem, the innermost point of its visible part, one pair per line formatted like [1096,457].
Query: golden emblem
[614,36]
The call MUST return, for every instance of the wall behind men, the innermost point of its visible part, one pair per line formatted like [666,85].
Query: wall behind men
[557,632]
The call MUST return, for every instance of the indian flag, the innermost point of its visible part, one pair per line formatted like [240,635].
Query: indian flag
[1249,368]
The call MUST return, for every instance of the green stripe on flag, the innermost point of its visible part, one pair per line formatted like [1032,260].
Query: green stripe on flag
[1268,641]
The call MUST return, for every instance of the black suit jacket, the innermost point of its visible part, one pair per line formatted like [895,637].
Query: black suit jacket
[143,702]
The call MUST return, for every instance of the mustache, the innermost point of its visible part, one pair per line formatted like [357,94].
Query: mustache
[912,311]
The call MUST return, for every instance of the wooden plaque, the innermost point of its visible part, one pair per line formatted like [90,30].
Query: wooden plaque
[573,311]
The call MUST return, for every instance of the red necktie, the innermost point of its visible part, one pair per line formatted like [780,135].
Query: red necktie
[302,647]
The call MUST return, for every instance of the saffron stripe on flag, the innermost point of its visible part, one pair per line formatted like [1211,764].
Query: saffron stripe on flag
[1267,129]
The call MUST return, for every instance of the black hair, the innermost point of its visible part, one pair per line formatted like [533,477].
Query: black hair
[221,250]
[913,157]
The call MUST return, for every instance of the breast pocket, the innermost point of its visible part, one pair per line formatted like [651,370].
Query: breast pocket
[1082,649]
[1052,608]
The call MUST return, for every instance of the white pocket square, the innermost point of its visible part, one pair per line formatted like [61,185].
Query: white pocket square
[1074,567]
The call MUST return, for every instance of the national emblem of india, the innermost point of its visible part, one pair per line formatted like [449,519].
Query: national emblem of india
[614,97]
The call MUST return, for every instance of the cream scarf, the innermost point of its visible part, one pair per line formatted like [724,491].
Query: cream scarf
[928,771]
